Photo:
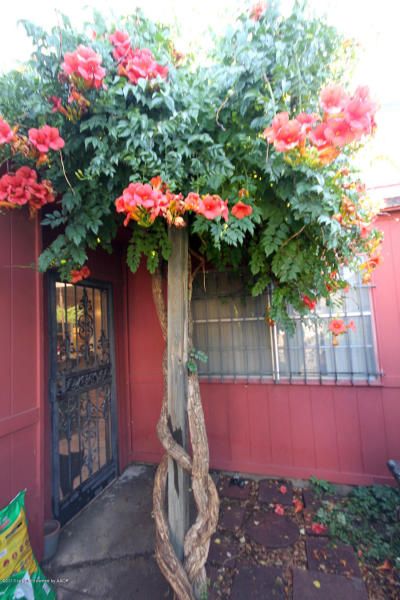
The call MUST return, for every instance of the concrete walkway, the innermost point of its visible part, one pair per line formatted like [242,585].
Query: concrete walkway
[106,552]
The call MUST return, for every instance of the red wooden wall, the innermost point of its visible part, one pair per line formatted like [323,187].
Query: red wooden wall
[21,368]
[341,433]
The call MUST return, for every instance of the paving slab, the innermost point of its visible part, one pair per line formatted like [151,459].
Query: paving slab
[106,552]
[258,583]
[228,490]
[138,578]
[273,491]
[223,551]
[215,576]
[117,523]
[70,594]
[314,585]
[272,531]
[338,559]
[212,580]
[232,517]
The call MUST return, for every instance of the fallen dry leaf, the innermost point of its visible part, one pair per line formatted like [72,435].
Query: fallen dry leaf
[385,566]
[298,505]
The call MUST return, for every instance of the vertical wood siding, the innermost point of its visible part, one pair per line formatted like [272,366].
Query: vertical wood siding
[21,368]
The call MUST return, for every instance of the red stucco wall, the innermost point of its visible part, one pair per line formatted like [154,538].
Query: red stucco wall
[342,433]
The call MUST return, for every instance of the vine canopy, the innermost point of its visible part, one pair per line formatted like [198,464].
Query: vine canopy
[113,127]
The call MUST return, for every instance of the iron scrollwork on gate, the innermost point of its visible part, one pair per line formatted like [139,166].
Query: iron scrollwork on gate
[84,431]
[86,327]
[82,380]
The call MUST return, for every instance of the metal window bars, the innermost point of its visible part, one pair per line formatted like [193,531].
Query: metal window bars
[230,326]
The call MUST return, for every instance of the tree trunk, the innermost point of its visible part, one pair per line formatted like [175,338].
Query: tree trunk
[184,571]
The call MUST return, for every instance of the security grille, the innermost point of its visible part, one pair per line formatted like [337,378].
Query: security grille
[82,394]
[230,326]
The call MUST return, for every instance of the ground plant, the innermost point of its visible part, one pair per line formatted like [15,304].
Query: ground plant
[367,519]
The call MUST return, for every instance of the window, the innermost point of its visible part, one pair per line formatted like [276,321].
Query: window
[231,328]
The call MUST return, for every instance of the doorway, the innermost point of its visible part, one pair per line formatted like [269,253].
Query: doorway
[82,393]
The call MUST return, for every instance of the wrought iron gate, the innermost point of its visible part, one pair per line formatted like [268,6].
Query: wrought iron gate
[82,393]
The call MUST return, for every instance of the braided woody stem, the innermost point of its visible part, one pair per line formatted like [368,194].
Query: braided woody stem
[188,580]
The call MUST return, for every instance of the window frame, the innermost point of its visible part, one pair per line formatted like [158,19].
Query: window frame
[367,378]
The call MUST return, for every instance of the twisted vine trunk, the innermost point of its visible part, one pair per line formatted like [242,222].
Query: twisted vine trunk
[187,577]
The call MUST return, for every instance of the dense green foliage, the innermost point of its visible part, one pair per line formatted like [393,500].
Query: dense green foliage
[200,130]
[367,519]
